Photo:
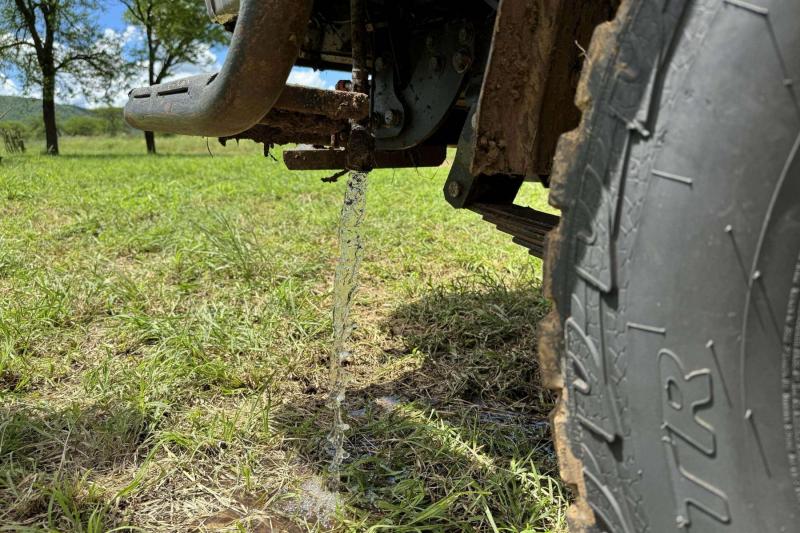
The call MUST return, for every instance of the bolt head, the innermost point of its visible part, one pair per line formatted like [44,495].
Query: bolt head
[436,64]
[462,60]
[465,35]
[392,117]
[430,42]
[454,189]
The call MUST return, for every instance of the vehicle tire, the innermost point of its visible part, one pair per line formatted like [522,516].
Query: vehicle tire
[675,271]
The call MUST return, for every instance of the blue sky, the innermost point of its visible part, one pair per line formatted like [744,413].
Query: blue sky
[111,17]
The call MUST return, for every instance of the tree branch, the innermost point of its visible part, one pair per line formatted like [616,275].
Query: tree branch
[96,60]
[16,44]
[29,15]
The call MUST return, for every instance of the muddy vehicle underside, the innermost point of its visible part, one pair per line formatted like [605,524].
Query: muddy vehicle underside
[428,68]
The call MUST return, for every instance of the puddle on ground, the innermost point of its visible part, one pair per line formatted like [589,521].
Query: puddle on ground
[309,503]
[314,503]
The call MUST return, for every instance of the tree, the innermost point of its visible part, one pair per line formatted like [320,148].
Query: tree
[84,126]
[113,119]
[176,32]
[56,44]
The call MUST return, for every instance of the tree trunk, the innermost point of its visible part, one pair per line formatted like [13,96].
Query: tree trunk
[149,136]
[49,113]
[150,141]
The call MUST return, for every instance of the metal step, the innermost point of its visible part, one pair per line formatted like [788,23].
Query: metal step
[529,227]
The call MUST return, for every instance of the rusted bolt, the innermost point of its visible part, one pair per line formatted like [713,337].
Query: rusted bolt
[462,61]
[392,117]
[454,189]
[436,64]
[344,85]
[430,42]
[465,35]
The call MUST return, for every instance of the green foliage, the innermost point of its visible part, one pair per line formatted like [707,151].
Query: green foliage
[175,32]
[113,120]
[45,39]
[14,125]
[13,137]
[85,126]
[106,121]
[57,45]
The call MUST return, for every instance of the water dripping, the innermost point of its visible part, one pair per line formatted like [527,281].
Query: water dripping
[351,248]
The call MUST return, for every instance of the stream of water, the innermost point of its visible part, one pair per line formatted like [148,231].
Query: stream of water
[351,248]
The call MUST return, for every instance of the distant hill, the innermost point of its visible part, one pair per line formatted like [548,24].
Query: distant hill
[23,109]
[25,114]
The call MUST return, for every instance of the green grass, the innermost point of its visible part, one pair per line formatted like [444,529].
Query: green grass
[165,326]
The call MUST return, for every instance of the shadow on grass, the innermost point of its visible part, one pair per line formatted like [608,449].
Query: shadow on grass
[47,455]
[455,435]
[448,432]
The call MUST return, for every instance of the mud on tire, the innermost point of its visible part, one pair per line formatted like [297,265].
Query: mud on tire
[675,342]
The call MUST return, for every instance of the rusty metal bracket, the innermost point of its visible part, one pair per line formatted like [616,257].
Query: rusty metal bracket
[336,159]
[308,115]
[336,105]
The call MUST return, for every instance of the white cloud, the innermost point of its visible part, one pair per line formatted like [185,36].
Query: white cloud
[208,62]
[308,77]
[9,88]
[130,34]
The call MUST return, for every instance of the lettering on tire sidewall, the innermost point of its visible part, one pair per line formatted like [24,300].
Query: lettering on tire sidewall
[686,393]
